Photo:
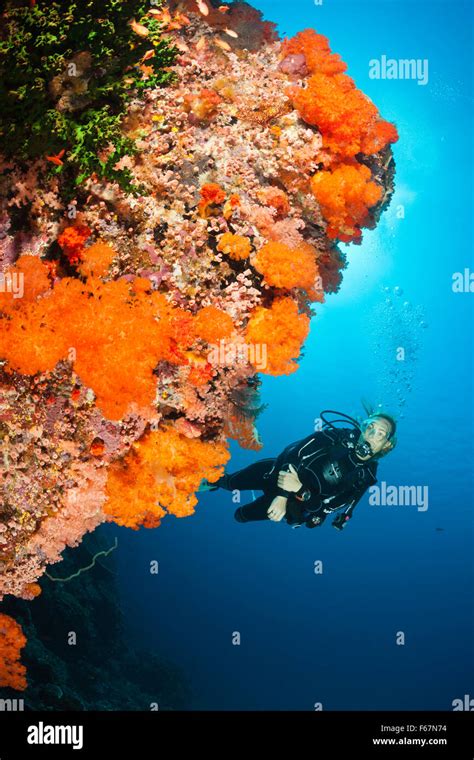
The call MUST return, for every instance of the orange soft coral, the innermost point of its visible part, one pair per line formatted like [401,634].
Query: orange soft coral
[23,283]
[202,107]
[96,260]
[114,333]
[347,119]
[345,196]
[284,267]
[72,241]
[12,641]
[212,324]
[242,429]
[235,246]
[282,330]
[211,194]
[276,198]
[316,50]
[161,474]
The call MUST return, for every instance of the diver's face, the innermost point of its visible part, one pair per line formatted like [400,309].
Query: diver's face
[376,432]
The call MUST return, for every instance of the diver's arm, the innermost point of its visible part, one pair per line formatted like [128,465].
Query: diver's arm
[277,509]
[293,454]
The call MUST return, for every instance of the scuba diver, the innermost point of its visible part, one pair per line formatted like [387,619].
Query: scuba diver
[327,471]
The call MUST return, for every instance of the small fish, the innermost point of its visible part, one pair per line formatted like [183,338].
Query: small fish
[201,44]
[149,54]
[202,7]
[57,159]
[440,529]
[147,70]
[223,8]
[139,29]
[223,45]
[164,16]
[231,32]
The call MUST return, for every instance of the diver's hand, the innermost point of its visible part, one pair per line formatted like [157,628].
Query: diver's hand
[289,481]
[277,509]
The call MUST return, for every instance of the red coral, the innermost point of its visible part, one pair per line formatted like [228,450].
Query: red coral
[211,194]
[72,241]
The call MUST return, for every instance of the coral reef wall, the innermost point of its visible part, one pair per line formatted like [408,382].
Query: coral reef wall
[77,654]
[170,214]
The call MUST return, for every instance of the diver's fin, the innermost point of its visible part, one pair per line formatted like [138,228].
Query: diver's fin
[206,486]
[368,407]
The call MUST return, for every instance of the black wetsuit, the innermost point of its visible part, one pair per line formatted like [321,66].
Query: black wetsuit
[331,474]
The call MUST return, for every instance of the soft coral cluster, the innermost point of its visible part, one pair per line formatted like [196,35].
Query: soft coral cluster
[345,195]
[348,120]
[282,330]
[160,475]
[12,641]
[284,267]
[113,332]
[350,125]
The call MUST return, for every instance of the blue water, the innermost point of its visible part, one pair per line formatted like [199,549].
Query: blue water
[330,638]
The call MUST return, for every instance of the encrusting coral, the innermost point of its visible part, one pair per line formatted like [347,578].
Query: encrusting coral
[133,312]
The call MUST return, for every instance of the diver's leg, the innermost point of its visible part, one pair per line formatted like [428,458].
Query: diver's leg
[249,478]
[256,510]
